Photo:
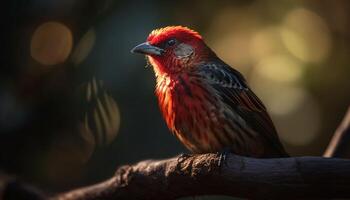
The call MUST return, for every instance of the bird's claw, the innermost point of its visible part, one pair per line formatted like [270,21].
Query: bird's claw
[222,156]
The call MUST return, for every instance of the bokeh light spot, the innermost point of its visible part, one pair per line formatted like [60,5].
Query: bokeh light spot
[65,159]
[265,43]
[234,50]
[281,68]
[51,43]
[84,47]
[230,34]
[306,35]
[294,112]
[286,101]
[113,123]
[301,126]
[281,98]
[102,116]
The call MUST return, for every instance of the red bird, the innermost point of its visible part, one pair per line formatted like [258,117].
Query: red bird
[206,103]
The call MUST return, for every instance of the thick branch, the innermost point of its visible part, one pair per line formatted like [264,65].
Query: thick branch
[296,177]
[303,177]
[299,177]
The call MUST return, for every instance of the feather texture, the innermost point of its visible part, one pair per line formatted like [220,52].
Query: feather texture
[211,108]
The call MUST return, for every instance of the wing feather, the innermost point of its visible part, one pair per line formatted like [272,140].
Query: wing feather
[235,92]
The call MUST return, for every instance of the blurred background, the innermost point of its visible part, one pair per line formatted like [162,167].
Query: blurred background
[75,103]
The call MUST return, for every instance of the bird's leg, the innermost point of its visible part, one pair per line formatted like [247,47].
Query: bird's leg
[222,156]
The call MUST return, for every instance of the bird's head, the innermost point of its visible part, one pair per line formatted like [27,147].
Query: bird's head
[173,49]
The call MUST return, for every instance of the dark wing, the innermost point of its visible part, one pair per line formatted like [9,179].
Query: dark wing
[234,91]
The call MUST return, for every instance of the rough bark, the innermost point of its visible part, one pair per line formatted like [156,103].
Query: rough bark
[283,178]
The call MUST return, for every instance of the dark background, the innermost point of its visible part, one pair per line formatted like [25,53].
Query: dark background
[294,54]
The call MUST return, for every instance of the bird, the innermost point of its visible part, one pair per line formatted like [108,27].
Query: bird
[207,104]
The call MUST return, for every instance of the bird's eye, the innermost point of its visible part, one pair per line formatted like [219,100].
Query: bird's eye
[171,42]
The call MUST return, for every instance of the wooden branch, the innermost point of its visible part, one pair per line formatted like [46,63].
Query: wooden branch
[182,176]
[340,142]
[298,177]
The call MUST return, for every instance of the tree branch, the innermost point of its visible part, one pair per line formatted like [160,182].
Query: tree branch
[299,177]
[181,176]
[340,142]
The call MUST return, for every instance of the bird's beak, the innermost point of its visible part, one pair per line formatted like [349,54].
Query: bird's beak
[146,48]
